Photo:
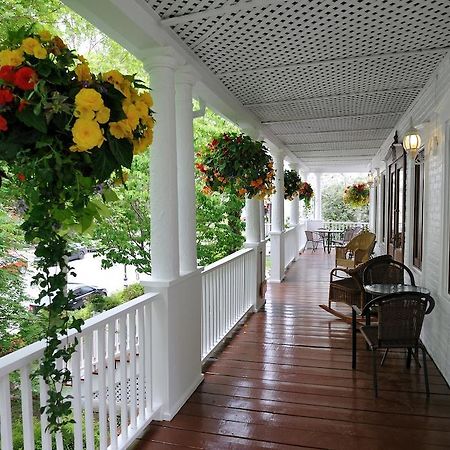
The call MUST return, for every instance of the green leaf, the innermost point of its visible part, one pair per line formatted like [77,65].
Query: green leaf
[122,150]
[32,120]
[109,195]
[103,163]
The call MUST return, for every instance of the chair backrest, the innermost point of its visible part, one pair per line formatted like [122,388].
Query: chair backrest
[348,234]
[312,236]
[387,272]
[355,231]
[364,241]
[358,271]
[400,318]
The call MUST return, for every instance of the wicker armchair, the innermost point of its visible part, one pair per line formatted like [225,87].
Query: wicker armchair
[357,251]
[387,271]
[400,319]
[346,286]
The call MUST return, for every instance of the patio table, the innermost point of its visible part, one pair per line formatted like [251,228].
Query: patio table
[328,235]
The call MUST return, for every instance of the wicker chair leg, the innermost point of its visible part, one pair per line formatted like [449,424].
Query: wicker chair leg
[408,359]
[425,371]
[374,367]
[384,356]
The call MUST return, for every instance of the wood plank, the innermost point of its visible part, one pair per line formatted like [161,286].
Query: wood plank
[285,381]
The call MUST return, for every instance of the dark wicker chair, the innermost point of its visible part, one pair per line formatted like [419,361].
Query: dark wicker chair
[387,271]
[346,286]
[400,319]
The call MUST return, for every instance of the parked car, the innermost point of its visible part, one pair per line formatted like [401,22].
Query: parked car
[82,293]
[77,251]
[14,263]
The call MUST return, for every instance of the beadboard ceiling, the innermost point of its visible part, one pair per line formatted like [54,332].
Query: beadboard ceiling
[329,78]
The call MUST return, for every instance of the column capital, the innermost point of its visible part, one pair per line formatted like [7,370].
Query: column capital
[294,166]
[159,57]
[186,75]
[250,130]
[278,153]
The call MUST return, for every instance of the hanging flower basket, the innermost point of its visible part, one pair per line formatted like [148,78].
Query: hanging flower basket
[357,195]
[292,184]
[65,133]
[235,162]
[306,193]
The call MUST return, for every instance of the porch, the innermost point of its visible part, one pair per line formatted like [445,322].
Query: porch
[285,380]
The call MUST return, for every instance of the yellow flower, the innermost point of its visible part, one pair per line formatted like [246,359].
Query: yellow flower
[121,180]
[11,57]
[102,115]
[147,99]
[29,44]
[83,73]
[120,130]
[141,108]
[40,52]
[132,116]
[82,59]
[86,135]
[89,98]
[113,77]
[140,145]
[45,35]
[84,113]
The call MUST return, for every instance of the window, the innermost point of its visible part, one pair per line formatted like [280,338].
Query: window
[383,206]
[418,214]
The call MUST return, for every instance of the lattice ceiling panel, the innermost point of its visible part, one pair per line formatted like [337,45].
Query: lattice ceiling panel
[351,145]
[332,78]
[287,32]
[335,136]
[317,71]
[371,103]
[335,123]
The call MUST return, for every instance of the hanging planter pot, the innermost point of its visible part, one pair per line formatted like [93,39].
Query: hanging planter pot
[65,136]
[357,195]
[292,184]
[236,163]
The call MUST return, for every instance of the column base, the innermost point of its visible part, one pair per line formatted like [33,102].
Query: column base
[277,272]
[176,341]
[260,278]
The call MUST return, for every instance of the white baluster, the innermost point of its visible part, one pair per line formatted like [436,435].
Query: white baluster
[46,439]
[88,392]
[148,359]
[141,365]
[27,408]
[111,383]
[132,345]
[76,401]
[123,378]
[5,414]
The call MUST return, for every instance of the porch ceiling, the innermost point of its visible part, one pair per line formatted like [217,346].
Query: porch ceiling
[329,78]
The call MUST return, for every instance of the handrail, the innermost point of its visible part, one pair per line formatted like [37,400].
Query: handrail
[226,259]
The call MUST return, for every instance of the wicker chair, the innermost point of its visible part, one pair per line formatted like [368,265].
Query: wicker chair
[357,251]
[400,319]
[346,286]
[387,271]
[315,238]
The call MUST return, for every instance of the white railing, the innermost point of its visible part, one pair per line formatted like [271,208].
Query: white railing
[341,226]
[290,244]
[229,291]
[111,388]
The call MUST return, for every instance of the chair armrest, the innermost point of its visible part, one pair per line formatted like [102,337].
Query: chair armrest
[357,310]
[341,252]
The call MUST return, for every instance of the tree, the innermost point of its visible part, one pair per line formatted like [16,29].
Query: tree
[334,208]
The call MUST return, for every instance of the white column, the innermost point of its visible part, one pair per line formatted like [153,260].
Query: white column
[262,221]
[163,171]
[318,196]
[278,197]
[252,221]
[185,162]
[277,232]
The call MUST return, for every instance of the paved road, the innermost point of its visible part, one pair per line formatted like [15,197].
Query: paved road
[89,271]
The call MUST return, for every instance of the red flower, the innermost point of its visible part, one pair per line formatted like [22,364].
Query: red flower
[7,74]
[21,177]
[6,96]
[22,105]
[25,78]
[3,124]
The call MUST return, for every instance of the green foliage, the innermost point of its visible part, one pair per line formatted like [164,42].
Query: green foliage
[357,195]
[292,184]
[67,431]
[235,163]
[306,193]
[124,235]
[219,226]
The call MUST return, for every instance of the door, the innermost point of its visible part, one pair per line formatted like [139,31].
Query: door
[397,203]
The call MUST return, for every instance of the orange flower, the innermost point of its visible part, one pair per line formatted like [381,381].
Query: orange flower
[3,124]
[21,177]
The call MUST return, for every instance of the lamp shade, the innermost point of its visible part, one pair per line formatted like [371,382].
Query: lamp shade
[412,141]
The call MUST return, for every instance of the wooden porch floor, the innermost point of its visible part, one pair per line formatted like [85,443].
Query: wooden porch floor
[285,381]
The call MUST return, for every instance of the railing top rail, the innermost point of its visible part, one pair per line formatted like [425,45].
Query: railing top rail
[227,259]
[22,357]
[290,229]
